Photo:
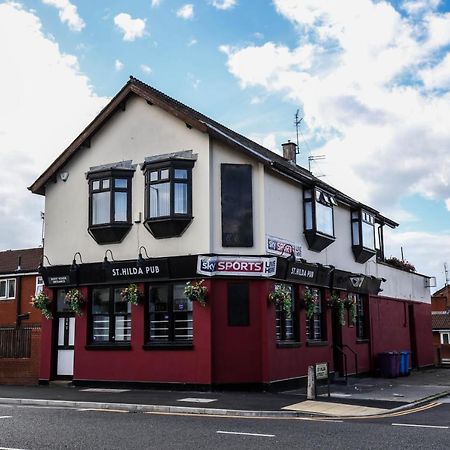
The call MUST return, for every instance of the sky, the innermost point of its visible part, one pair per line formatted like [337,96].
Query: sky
[370,79]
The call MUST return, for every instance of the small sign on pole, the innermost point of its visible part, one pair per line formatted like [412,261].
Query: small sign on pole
[318,371]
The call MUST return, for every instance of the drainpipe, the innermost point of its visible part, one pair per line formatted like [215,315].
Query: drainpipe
[18,294]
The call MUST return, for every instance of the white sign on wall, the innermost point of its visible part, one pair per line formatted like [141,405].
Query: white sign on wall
[282,247]
[236,265]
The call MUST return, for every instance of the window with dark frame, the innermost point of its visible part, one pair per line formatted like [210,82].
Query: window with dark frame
[110,204]
[8,289]
[110,317]
[286,321]
[315,325]
[168,196]
[238,304]
[169,315]
[363,235]
[318,218]
[361,320]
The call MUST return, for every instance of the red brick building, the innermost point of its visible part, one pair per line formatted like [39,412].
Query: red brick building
[440,306]
[20,324]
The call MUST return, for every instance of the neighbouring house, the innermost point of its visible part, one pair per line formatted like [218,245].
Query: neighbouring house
[153,195]
[440,306]
[20,324]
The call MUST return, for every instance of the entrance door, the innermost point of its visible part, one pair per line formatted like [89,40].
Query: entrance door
[66,337]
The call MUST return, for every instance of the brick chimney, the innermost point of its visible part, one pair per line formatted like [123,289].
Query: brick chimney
[289,151]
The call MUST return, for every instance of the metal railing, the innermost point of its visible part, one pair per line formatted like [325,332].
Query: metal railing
[342,352]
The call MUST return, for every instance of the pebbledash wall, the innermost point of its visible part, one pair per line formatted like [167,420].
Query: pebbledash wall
[239,337]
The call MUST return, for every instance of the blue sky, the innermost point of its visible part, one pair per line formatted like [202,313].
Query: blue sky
[371,79]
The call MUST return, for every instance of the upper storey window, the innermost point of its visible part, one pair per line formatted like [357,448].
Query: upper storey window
[319,218]
[110,202]
[8,289]
[168,193]
[363,235]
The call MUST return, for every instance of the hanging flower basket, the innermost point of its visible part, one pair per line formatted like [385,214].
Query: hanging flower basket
[281,296]
[310,302]
[42,303]
[350,304]
[196,292]
[74,301]
[131,294]
[339,304]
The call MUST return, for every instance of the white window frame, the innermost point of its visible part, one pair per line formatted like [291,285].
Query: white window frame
[39,285]
[447,333]
[8,282]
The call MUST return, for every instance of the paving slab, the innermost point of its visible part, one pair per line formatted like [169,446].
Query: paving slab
[334,409]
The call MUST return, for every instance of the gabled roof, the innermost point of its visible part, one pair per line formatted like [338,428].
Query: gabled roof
[442,292]
[204,124]
[441,321]
[29,260]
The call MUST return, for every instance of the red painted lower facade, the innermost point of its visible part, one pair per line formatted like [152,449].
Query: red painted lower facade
[250,354]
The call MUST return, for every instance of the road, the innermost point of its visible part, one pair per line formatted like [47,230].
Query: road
[32,428]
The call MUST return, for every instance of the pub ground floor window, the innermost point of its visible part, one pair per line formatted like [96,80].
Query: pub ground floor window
[111,316]
[286,329]
[361,316]
[169,314]
[315,326]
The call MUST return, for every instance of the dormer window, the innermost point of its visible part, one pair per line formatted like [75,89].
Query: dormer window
[363,235]
[168,193]
[110,202]
[319,218]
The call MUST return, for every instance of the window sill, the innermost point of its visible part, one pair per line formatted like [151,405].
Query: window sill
[317,343]
[162,228]
[288,344]
[108,346]
[169,346]
[362,341]
[109,233]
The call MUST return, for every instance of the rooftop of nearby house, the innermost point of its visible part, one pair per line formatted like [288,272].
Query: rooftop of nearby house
[440,320]
[20,261]
[199,121]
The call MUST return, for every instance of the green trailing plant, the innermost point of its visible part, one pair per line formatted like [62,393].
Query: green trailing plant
[74,301]
[400,264]
[42,303]
[310,303]
[196,292]
[131,294]
[339,304]
[281,296]
[350,304]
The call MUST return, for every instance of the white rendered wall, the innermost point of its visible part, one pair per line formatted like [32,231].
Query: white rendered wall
[138,132]
[284,219]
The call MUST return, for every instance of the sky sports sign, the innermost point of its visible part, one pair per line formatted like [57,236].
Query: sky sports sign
[236,265]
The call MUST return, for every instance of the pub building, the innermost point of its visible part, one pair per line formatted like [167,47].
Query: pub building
[153,193]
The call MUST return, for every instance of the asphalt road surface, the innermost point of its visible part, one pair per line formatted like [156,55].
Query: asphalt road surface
[30,428]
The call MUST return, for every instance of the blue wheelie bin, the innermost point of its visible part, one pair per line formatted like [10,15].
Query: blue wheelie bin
[404,363]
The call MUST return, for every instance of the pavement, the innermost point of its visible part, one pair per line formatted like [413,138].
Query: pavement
[362,396]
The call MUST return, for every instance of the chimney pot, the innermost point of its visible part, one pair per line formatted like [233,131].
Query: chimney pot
[290,151]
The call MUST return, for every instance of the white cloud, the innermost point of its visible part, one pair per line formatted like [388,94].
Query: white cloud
[255,100]
[356,73]
[447,203]
[146,69]
[118,65]
[192,42]
[33,132]
[156,3]
[223,4]
[186,12]
[131,28]
[437,77]
[67,13]
[419,6]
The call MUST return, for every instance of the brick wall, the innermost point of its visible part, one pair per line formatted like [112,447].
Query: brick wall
[23,370]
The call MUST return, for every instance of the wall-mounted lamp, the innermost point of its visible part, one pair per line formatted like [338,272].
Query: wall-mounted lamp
[303,260]
[64,175]
[74,265]
[291,258]
[141,260]
[41,268]
[106,263]
[383,280]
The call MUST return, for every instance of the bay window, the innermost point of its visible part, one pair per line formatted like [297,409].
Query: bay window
[168,194]
[110,202]
[363,235]
[318,218]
